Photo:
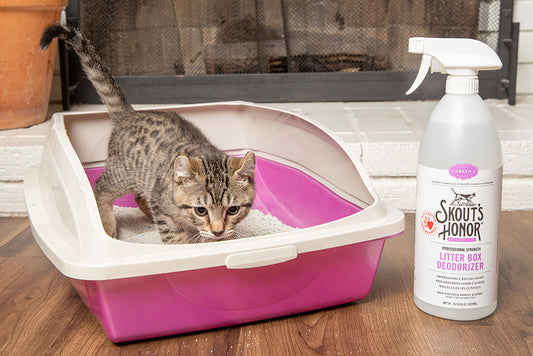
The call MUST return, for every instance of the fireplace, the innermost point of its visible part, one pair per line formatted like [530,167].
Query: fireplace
[182,51]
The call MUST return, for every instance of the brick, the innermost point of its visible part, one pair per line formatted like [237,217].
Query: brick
[14,160]
[390,158]
[12,199]
[524,82]
[523,13]
[517,158]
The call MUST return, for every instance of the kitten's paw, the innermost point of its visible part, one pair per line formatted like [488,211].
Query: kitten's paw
[110,227]
[173,240]
[170,236]
[113,234]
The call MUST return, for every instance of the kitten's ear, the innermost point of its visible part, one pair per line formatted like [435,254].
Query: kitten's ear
[185,168]
[244,166]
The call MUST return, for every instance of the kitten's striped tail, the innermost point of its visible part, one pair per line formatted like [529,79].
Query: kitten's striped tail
[99,75]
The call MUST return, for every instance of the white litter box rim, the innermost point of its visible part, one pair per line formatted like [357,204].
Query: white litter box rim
[103,258]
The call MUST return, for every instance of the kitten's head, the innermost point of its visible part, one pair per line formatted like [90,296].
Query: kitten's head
[214,194]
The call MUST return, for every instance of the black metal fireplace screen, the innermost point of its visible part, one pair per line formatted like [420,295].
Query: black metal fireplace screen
[182,51]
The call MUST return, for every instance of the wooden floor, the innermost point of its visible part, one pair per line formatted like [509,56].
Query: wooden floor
[41,314]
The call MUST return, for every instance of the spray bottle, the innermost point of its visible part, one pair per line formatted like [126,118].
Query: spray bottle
[458,186]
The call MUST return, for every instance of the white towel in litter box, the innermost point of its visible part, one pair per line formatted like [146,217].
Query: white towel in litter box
[134,226]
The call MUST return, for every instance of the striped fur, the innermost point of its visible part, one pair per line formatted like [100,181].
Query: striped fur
[191,190]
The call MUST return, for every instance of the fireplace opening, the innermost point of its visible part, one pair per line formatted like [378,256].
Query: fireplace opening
[275,50]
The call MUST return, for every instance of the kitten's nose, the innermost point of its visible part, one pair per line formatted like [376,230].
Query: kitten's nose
[217,227]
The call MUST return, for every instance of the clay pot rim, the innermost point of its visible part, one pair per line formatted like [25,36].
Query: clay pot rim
[32,4]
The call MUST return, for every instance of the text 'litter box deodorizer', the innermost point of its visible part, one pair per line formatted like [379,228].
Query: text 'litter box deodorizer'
[458,186]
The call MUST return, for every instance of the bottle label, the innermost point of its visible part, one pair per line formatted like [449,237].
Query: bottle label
[456,254]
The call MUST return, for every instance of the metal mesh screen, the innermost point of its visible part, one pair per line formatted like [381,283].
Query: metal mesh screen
[182,37]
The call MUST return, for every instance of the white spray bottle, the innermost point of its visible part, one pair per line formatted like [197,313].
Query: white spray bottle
[458,186]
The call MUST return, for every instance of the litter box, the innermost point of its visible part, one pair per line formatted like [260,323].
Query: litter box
[305,177]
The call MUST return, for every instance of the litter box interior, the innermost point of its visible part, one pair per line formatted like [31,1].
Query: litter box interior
[303,176]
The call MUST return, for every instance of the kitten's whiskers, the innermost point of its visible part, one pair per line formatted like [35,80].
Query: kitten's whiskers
[196,238]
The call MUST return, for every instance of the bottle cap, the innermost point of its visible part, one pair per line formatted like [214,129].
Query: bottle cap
[462,84]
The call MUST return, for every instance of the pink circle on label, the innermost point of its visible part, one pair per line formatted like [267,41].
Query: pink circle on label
[463,171]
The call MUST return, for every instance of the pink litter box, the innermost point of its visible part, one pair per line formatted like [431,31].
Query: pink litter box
[305,177]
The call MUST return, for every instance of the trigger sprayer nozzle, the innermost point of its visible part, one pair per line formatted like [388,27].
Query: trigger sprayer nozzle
[458,57]
[422,72]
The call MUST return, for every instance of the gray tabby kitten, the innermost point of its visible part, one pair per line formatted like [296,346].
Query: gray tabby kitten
[191,190]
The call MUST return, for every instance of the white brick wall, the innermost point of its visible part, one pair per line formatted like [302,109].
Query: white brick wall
[523,13]
[19,149]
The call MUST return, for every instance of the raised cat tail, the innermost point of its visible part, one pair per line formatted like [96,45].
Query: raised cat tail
[99,75]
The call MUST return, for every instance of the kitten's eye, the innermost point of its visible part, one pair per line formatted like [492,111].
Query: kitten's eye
[200,211]
[233,210]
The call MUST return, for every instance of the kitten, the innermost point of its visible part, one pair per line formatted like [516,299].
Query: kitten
[192,190]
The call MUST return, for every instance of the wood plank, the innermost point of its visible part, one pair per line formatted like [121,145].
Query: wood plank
[21,245]
[36,304]
[11,227]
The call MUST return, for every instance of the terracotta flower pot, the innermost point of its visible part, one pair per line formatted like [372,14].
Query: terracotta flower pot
[25,71]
